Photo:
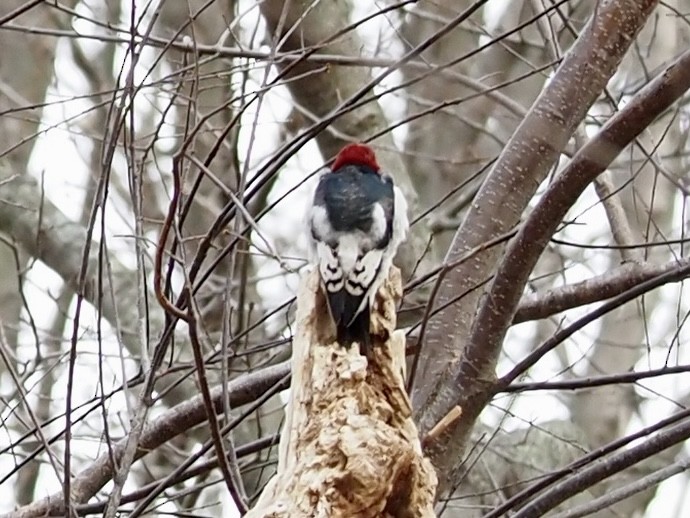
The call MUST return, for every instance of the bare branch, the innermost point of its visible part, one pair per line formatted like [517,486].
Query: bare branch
[618,220]
[171,423]
[610,305]
[544,304]
[627,491]
[595,289]
[522,166]
[596,472]
[594,458]
[58,243]
[595,381]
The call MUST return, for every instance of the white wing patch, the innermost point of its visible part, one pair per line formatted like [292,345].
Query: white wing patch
[329,267]
[319,223]
[400,222]
[348,268]
[378,224]
[363,274]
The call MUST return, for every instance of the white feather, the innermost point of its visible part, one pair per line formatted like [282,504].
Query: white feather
[377,263]
[361,277]
[379,223]
[329,267]
[349,250]
[318,221]
[400,227]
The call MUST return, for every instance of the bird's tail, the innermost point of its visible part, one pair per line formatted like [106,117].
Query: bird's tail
[356,331]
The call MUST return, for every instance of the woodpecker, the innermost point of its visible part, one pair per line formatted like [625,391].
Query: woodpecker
[357,220]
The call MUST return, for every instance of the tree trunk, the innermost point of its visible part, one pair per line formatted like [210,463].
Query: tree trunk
[349,446]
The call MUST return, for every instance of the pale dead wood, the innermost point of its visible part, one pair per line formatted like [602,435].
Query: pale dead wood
[349,446]
[452,416]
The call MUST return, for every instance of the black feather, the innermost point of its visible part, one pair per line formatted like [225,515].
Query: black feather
[357,331]
[350,326]
[336,305]
[349,196]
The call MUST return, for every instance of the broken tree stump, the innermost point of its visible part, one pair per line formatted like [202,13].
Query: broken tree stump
[349,447]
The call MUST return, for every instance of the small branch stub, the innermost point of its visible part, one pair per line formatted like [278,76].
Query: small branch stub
[349,447]
[440,427]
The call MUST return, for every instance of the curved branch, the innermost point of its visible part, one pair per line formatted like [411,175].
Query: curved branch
[598,471]
[595,289]
[522,166]
[172,422]
[496,312]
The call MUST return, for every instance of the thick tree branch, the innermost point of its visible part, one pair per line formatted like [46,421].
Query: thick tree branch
[595,289]
[172,422]
[496,312]
[522,166]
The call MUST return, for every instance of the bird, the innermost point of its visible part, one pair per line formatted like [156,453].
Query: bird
[356,222]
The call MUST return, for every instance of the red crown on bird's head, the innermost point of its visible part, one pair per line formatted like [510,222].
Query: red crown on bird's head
[356,154]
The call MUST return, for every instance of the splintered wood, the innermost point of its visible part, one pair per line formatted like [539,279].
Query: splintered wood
[349,447]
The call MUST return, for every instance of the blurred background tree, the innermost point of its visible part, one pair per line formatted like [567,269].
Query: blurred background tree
[153,150]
